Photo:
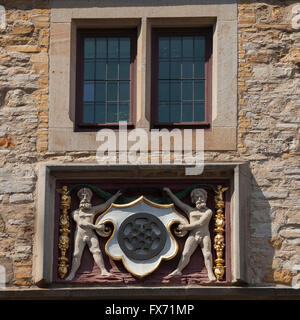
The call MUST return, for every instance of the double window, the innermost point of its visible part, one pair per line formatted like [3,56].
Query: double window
[180,73]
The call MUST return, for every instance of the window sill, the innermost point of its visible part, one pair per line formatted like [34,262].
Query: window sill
[90,127]
[182,125]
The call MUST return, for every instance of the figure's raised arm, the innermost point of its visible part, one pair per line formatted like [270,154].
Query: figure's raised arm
[184,207]
[102,207]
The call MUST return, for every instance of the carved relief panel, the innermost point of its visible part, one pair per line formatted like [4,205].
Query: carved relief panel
[142,232]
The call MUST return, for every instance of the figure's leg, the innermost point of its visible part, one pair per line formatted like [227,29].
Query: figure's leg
[78,250]
[189,248]
[97,255]
[206,250]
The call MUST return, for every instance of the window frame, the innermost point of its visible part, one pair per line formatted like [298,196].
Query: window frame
[86,33]
[207,32]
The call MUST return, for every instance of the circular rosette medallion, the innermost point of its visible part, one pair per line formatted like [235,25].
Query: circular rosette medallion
[142,236]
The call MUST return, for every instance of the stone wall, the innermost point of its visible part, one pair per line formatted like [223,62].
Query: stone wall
[23,129]
[268,134]
[269,117]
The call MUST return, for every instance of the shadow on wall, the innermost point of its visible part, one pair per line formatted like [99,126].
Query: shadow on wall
[132,3]
[261,251]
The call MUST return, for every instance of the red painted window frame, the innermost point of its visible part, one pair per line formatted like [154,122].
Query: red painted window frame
[81,35]
[208,34]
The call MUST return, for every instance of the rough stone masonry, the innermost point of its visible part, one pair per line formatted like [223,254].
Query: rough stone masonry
[268,134]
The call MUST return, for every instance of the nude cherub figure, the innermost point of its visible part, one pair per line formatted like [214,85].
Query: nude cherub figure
[85,234]
[199,230]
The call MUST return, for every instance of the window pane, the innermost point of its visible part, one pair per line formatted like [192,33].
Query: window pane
[112,112]
[175,70]
[89,70]
[112,70]
[163,47]
[163,90]
[164,70]
[100,70]
[124,111]
[175,47]
[199,49]
[199,90]
[187,90]
[187,47]
[163,112]
[125,70]
[199,67]
[175,90]
[106,79]
[88,113]
[101,48]
[88,92]
[187,69]
[112,91]
[199,111]
[124,47]
[89,48]
[175,112]
[100,113]
[113,48]
[187,111]
[124,90]
[100,91]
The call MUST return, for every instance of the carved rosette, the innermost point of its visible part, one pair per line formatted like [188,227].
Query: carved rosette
[219,239]
[64,230]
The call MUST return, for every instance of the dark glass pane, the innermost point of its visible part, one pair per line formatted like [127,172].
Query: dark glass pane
[199,49]
[175,112]
[89,70]
[124,111]
[199,69]
[163,47]
[175,70]
[89,48]
[112,112]
[199,90]
[175,47]
[163,112]
[88,91]
[112,91]
[175,90]
[187,69]
[112,70]
[187,111]
[163,90]
[124,47]
[100,70]
[187,47]
[124,90]
[100,91]
[164,70]
[125,70]
[113,48]
[88,113]
[187,90]
[100,113]
[101,48]
[199,111]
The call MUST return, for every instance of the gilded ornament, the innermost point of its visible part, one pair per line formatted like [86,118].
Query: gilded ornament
[64,230]
[219,240]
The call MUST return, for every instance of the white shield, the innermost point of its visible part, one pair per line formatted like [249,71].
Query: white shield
[125,246]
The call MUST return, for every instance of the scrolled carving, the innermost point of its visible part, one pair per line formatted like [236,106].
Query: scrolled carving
[219,239]
[64,230]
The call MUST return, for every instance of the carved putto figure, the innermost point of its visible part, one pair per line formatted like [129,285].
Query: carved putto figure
[85,234]
[199,230]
